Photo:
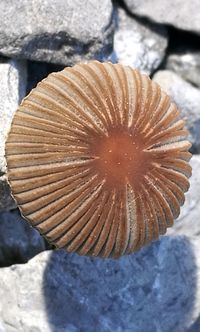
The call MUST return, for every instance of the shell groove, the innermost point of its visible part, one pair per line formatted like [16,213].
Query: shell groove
[97,159]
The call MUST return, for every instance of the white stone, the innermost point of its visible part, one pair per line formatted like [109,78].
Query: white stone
[138,45]
[13,80]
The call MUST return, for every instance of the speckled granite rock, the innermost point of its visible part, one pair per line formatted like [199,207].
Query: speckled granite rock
[156,289]
[180,13]
[185,63]
[57,31]
[18,241]
[13,78]
[187,99]
[137,44]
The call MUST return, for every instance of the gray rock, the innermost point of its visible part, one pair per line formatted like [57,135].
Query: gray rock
[179,13]
[188,222]
[57,31]
[187,99]
[13,78]
[139,45]
[156,289]
[18,241]
[185,63]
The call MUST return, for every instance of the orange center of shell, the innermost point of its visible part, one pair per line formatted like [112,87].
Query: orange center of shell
[120,157]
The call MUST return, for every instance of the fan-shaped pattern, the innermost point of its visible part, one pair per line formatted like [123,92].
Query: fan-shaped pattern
[97,159]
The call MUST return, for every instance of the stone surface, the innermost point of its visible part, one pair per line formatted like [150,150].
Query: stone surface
[179,13]
[57,31]
[187,98]
[139,45]
[18,241]
[185,63]
[13,78]
[156,289]
[188,222]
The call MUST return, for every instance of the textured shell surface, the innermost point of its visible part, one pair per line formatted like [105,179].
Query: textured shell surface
[97,159]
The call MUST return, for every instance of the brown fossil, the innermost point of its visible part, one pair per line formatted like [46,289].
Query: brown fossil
[97,159]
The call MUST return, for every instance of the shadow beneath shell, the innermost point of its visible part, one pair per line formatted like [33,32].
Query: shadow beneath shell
[152,290]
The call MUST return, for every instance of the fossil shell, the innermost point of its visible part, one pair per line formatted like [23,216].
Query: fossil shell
[97,159]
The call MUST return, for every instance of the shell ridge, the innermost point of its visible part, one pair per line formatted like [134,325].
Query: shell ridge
[132,216]
[158,115]
[109,245]
[99,91]
[95,234]
[36,182]
[91,104]
[43,201]
[70,233]
[64,218]
[111,72]
[95,68]
[80,242]
[100,244]
[146,96]
[166,206]
[125,100]
[172,186]
[88,120]
[63,199]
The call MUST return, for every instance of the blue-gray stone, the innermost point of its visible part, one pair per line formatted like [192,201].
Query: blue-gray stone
[153,290]
[18,240]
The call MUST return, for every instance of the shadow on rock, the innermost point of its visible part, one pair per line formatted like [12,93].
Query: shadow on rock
[18,240]
[152,290]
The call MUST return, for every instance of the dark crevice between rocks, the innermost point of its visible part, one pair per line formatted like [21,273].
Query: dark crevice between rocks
[37,71]
[54,42]
[19,242]
[3,58]
[183,39]
[179,40]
